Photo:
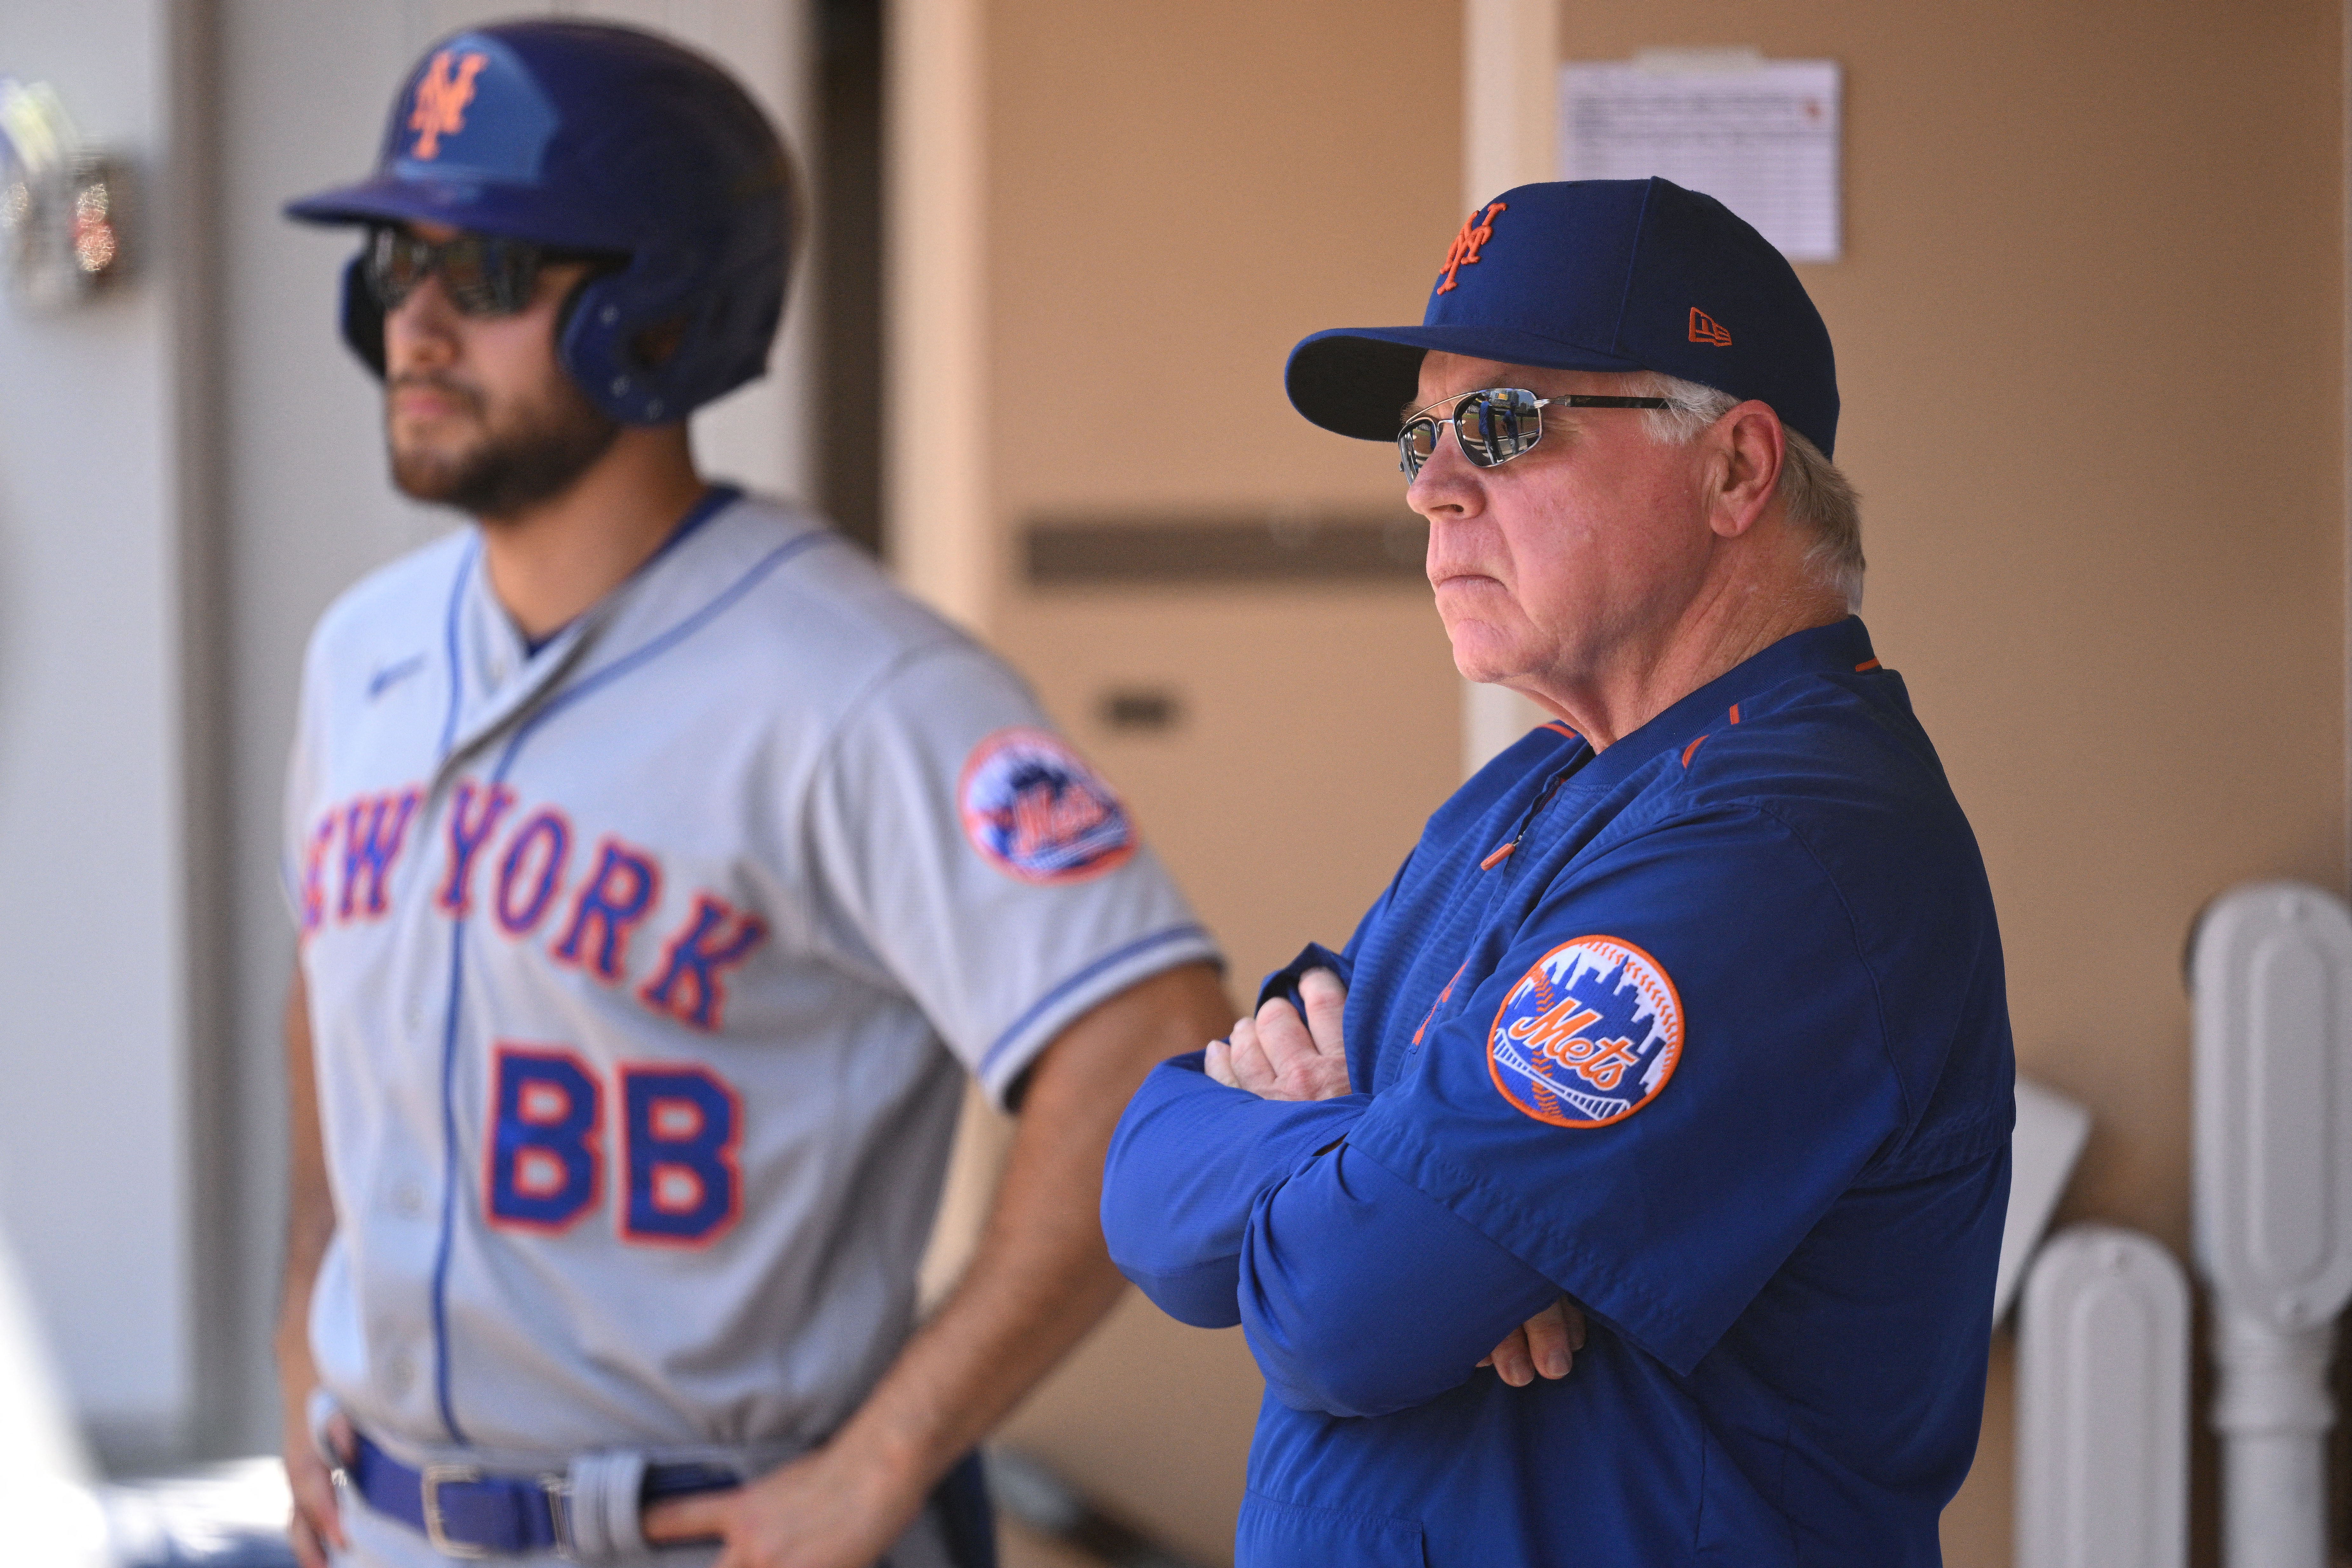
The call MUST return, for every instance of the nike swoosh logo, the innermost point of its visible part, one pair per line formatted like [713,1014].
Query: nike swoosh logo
[392,674]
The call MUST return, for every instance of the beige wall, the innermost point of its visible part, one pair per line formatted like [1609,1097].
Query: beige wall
[2090,323]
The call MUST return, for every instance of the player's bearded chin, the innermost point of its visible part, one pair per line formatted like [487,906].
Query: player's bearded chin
[533,454]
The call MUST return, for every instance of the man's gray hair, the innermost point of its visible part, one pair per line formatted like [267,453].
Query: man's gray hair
[1819,499]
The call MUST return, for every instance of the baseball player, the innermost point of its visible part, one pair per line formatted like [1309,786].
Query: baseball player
[661,870]
[1687,1008]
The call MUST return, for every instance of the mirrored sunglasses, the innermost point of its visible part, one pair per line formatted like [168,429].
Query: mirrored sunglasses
[1495,424]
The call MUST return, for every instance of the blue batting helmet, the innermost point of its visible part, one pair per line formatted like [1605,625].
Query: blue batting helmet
[591,137]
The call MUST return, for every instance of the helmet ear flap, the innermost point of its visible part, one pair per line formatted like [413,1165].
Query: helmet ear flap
[363,317]
[599,347]
[587,341]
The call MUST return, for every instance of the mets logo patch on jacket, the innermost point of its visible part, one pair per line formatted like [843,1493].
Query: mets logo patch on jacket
[1038,812]
[1589,1036]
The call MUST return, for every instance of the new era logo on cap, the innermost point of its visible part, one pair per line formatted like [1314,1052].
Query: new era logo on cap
[1704,330]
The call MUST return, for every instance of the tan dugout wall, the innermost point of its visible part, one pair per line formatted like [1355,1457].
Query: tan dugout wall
[2090,325]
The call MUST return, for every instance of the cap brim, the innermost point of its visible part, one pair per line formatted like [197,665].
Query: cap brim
[382,200]
[1361,381]
[477,206]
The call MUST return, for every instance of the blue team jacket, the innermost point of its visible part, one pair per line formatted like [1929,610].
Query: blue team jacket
[1706,1031]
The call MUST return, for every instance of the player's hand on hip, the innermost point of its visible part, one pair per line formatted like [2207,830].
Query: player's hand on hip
[1279,1055]
[821,1510]
[316,1523]
[1543,1346]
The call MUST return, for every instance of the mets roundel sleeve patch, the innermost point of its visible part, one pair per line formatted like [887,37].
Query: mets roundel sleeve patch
[1588,1035]
[1036,811]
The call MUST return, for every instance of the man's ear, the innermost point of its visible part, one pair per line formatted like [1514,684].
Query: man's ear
[1752,446]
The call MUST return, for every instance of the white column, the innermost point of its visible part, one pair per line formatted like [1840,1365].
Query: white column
[1510,108]
[939,521]
[2273,976]
[940,534]
[2103,1405]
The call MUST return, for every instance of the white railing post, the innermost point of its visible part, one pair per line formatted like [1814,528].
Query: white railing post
[2274,1412]
[2271,972]
[2103,1405]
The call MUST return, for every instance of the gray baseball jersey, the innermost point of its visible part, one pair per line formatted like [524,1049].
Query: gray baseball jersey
[644,969]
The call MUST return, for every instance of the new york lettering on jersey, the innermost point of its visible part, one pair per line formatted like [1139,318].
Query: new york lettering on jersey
[536,870]
[542,884]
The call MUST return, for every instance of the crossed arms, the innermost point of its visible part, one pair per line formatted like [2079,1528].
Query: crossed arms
[1232,1197]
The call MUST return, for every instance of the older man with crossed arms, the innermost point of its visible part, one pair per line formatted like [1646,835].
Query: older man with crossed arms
[1680,1043]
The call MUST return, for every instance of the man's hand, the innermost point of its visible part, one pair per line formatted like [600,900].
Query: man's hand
[824,1509]
[1543,1346]
[1276,1057]
[316,1523]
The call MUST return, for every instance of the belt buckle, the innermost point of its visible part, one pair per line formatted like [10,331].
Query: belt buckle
[434,1478]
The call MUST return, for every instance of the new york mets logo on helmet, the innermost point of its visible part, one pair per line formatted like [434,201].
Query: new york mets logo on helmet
[1589,1036]
[1038,812]
[442,94]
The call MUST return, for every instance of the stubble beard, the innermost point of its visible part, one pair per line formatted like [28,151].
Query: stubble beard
[534,454]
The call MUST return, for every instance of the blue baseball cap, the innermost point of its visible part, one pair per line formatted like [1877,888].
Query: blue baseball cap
[1599,274]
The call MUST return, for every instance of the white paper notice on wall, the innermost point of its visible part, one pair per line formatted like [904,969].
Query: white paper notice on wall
[1760,136]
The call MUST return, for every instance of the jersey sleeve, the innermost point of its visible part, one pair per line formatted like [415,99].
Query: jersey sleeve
[1677,1066]
[985,865]
[1189,1162]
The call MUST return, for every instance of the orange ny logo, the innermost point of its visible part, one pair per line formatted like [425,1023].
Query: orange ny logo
[442,95]
[1476,232]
